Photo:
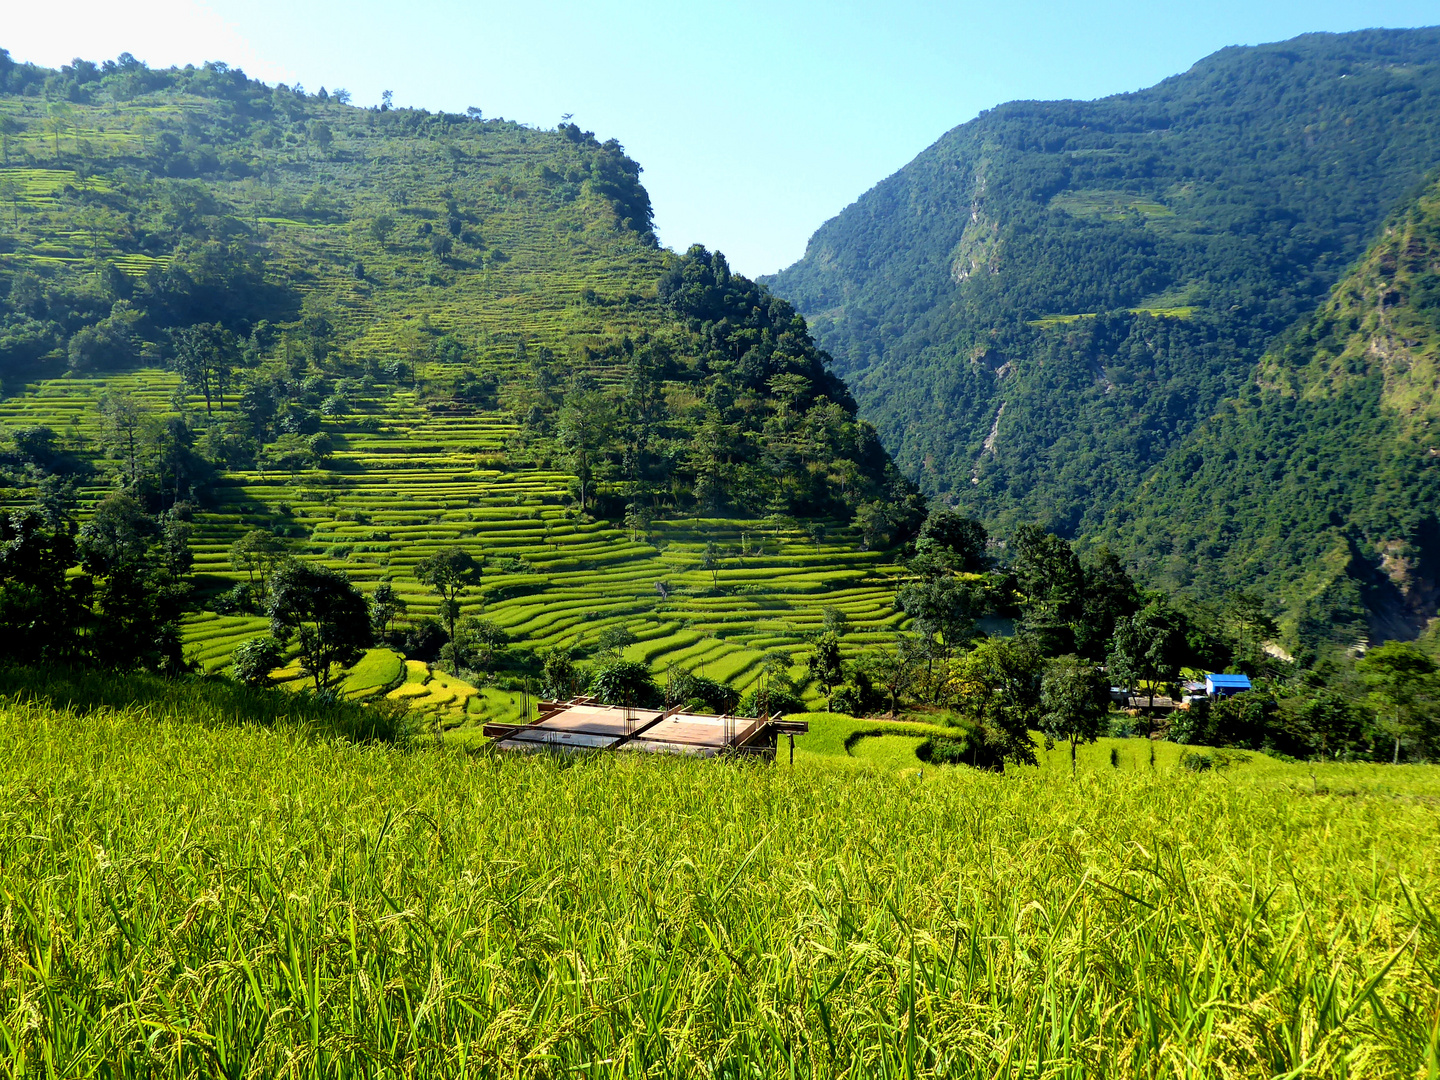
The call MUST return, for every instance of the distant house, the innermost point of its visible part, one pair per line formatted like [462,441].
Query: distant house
[1217,686]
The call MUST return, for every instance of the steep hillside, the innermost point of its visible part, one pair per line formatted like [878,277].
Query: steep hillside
[1321,481]
[1050,298]
[374,333]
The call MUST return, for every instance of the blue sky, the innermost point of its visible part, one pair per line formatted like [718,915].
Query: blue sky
[754,122]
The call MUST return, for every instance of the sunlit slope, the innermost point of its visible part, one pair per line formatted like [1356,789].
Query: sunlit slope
[423,481]
[376,235]
[1051,297]
[538,257]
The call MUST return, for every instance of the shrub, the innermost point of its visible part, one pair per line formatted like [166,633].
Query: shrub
[856,697]
[560,678]
[1194,761]
[778,698]
[235,601]
[1122,725]
[623,682]
[421,640]
[255,659]
[1188,725]
[941,751]
[698,693]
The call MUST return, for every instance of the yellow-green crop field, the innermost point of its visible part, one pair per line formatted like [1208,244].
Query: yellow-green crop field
[182,895]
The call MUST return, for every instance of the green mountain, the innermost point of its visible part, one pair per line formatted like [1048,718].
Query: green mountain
[1046,302]
[373,333]
[1321,480]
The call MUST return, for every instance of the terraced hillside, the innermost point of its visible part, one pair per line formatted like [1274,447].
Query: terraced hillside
[422,481]
[426,295]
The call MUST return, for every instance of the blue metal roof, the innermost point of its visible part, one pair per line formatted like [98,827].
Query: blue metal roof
[1241,681]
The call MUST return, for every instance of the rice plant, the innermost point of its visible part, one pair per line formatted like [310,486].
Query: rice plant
[213,899]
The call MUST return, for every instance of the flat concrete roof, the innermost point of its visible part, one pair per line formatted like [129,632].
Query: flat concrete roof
[583,724]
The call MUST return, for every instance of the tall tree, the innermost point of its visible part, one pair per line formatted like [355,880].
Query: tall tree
[9,127]
[584,430]
[1000,682]
[43,608]
[326,614]
[385,606]
[138,565]
[954,540]
[825,664]
[1405,693]
[1074,698]
[1051,586]
[710,561]
[122,427]
[1147,648]
[1109,596]
[10,192]
[205,357]
[450,572]
[944,610]
[256,553]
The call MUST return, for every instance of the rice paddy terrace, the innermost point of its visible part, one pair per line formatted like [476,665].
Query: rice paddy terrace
[397,491]
[396,228]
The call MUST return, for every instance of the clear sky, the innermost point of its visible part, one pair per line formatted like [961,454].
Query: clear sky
[754,121]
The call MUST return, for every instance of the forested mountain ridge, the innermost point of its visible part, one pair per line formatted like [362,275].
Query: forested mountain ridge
[1320,483]
[1049,299]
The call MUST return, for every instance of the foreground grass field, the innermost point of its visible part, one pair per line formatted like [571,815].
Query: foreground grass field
[179,899]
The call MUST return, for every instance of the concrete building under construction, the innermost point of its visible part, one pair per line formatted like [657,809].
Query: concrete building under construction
[584,724]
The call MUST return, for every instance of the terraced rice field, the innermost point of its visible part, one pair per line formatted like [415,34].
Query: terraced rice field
[398,490]
[540,262]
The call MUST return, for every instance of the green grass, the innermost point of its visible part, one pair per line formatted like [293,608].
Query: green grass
[834,735]
[897,752]
[378,671]
[182,899]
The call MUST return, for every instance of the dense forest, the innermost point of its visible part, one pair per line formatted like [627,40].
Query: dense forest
[1046,302]
[1318,483]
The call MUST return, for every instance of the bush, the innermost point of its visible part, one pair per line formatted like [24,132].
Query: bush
[253,660]
[973,751]
[778,698]
[420,640]
[623,682]
[1189,725]
[236,601]
[1193,761]
[941,751]
[856,697]
[700,694]
[560,679]
[1122,726]
[1247,720]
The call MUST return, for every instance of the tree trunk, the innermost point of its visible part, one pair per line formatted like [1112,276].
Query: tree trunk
[454,648]
[1397,751]
[1072,759]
